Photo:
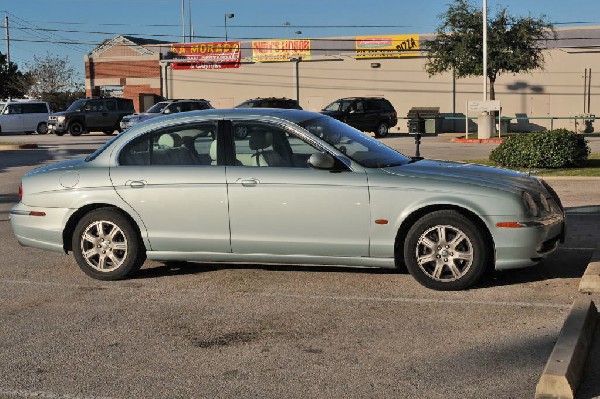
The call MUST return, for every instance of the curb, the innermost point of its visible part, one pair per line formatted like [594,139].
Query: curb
[477,141]
[590,281]
[564,369]
[28,146]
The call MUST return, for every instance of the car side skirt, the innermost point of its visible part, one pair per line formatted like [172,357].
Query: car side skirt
[387,263]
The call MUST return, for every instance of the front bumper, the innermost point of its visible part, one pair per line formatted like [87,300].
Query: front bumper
[54,126]
[127,124]
[528,245]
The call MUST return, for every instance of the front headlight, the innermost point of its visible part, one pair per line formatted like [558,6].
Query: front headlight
[530,205]
[61,118]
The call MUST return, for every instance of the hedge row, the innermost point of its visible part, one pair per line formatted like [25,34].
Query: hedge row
[558,148]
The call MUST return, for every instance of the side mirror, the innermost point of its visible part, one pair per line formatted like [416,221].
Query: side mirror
[321,160]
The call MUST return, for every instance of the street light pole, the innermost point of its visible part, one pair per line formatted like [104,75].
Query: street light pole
[297,60]
[227,16]
[485,51]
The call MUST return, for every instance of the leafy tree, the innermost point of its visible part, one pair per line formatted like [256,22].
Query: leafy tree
[10,79]
[52,79]
[514,44]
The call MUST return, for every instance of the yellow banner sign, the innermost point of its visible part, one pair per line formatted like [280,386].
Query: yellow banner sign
[280,50]
[387,46]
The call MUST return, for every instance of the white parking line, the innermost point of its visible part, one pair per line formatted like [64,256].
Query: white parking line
[23,393]
[419,301]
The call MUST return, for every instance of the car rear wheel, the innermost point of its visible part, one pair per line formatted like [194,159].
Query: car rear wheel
[444,250]
[106,246]
[76,128]
[381,130]
[42,128]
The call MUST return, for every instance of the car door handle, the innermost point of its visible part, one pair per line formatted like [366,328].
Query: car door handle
[136,183]
[248,182]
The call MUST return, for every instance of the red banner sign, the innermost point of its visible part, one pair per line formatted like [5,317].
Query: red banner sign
[216,55]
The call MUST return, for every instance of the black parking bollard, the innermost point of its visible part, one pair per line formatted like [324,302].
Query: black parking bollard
[417,144]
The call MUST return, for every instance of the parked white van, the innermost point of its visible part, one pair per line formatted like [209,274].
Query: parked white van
[24,116]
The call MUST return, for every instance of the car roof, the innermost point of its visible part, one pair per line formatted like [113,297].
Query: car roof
[360,98]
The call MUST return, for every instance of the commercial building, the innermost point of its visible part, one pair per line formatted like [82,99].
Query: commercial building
[318,71]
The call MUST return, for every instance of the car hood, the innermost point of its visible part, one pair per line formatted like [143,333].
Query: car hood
[463,173]
[142,116]
[61,113]
[333,114]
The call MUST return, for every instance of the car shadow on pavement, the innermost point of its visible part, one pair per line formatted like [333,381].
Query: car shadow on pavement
[17,158]
[564,264]
[185,268]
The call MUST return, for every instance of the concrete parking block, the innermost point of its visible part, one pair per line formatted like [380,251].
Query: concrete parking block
[564,368]
[590,281]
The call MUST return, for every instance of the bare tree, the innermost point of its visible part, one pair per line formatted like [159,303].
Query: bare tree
[51,74]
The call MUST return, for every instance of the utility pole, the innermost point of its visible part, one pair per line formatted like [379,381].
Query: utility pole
[7,40]
[190,19]
[183,21]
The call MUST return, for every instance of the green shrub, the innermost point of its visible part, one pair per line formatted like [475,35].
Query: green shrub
[550,149]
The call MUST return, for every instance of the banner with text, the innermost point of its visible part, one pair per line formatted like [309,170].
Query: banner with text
[387,46]
[216,55]
[280,50]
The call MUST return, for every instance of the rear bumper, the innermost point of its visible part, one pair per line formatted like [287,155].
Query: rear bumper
[44,232]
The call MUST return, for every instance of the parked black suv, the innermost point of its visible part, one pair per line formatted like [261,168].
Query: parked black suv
[369,114]
[91,114]
[270,102]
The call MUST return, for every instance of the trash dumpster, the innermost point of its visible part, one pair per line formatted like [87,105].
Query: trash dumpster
[430,119]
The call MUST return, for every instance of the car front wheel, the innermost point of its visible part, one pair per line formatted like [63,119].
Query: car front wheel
[381,130]
[106,246]
[76,129]
[444,250]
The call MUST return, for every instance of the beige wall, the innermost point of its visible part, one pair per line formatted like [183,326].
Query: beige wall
[556,91]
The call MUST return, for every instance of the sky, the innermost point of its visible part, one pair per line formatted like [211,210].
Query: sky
[73,28]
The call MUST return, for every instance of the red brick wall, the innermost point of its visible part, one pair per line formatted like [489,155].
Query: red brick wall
[123,69]
[133,92]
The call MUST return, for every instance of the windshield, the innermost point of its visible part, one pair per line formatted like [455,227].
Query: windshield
[246,104]
[77,106]
[2,105]
[357,146]
[341,105]
[157,108]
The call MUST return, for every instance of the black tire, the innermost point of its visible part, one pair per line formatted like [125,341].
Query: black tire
[59,133]
[382,130]
[76,128]
[453,251]
[106,246]
[42,128]
[109,132]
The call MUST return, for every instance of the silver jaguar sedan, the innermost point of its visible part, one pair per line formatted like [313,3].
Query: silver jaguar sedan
[296,188]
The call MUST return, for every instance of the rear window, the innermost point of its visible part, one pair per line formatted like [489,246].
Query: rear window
[34,108]
[125,104]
